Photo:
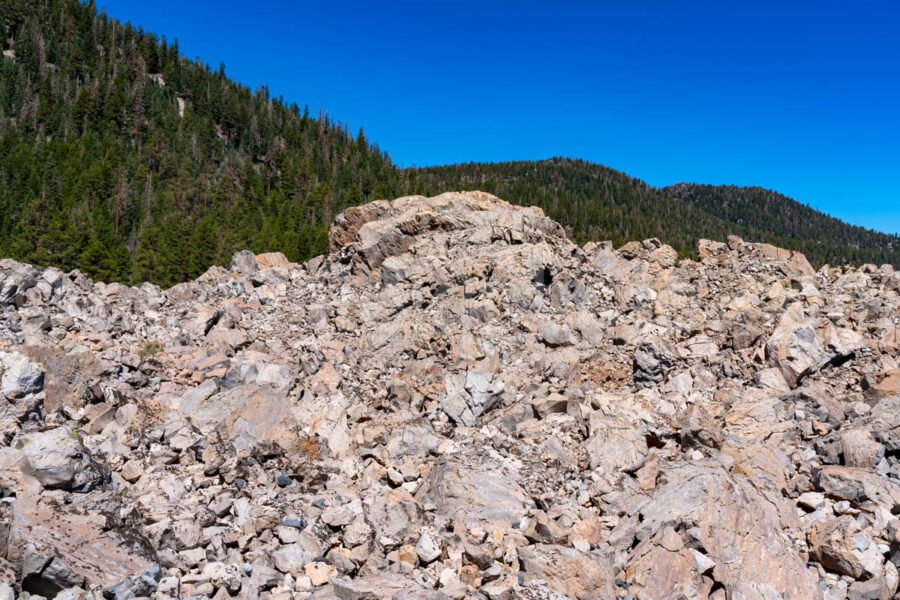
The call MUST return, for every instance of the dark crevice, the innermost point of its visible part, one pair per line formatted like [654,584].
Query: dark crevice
[653,440]
[40,586]
[544,277]
[212,322]
[840,360]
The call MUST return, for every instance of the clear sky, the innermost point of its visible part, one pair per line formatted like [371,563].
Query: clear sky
[795,95]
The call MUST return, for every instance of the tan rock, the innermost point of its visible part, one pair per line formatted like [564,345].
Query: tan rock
[728,518]
[79,547]
[839,546]
[477,497]
[379,587]
[319,573]
[568,571]
[793,347]
[860,449]
[66,376]
[888,385]
[270,260]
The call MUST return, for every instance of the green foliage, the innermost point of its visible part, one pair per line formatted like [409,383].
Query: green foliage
[591,201]
[774,218]
[123,159]
[597,203]
[149,349]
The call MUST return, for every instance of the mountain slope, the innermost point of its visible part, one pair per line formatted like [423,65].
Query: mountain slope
[457,403]
[592,201]
[780,220]
[595,202]
[120,157]
[123,159]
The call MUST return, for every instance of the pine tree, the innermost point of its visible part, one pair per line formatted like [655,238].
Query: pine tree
[146,191]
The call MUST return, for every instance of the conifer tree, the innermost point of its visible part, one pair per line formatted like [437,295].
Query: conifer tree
[120,157]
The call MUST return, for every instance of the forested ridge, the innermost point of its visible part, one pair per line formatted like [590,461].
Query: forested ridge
[592,201]
[120,157]
[598,203]
[769,216]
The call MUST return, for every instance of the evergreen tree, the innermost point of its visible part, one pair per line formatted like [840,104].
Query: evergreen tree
[597,203]
[122,158]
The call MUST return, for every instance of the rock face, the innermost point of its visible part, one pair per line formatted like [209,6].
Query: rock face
[458,402]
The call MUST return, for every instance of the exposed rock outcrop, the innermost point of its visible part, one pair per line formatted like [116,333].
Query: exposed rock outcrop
[458,402]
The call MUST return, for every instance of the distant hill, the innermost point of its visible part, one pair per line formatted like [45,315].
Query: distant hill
[772,217]
[120,157]
[592,201]
[595,203]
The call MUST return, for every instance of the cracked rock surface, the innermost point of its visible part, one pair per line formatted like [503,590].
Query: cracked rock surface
[457,402]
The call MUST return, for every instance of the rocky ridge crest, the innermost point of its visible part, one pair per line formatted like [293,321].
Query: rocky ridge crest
[458,402]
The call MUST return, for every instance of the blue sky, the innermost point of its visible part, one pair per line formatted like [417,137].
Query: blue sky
[799,96]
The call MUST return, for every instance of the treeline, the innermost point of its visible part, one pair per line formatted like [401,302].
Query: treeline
[777,219]
[591,201]
[598,203]
[122,158]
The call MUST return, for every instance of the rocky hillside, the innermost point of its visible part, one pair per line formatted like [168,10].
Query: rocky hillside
[458,402]
[594,202]
[124,159]
[591,201]
[773,217]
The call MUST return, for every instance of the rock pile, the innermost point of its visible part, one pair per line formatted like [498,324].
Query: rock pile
[458,402]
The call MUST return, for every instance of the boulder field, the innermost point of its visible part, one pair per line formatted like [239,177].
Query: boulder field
[457,402]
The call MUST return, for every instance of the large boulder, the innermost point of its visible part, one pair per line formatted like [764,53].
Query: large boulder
[58,459]
[53,549]
[382,230]
[245,416]
[19,376]
[794,347]
[568,571]
[382,587]
[476,492]
[68,377]
[732,524]
[841,547]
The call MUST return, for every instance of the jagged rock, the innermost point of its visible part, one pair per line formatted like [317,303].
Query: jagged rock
[382,587]
[244,416]
[652,361]
[553,334]
[859,486]
[272,260]
[734,526]
[53,549]
[427,549]
[860,449]
[19,376]
[244,262]
[839,546]
[568,571]
[57,459]
[480,495]
[888,386]
[291,558]
[137,586]
[811,500]
[457,402]
[68,377]
[794,347]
